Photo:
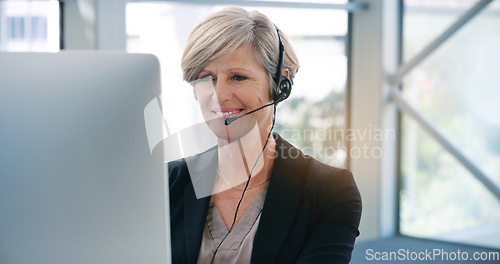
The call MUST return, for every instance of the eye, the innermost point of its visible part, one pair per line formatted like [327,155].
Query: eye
[207,78]
[205,81]
[239,78]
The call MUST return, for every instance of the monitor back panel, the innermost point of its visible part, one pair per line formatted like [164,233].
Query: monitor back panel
[78,183]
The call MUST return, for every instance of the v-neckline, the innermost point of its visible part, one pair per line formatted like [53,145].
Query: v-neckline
[218,228]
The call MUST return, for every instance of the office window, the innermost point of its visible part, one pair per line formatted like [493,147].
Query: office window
[29,25]
[15,26]
[313,118]
[39,28]
[456,88]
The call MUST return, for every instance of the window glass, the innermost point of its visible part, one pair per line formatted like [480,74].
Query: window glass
[312,118]
[29,25]
[39,28]
[456,89]
[428,19]
[15,26]
[440,199]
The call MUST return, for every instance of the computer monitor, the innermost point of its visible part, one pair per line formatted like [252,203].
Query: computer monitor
[78,183]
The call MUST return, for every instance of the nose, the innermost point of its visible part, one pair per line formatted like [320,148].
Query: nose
[223,91]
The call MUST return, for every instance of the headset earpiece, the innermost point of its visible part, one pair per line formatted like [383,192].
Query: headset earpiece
[285,87]
[283,83]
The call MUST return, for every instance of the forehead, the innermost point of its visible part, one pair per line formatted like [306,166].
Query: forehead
[241,57]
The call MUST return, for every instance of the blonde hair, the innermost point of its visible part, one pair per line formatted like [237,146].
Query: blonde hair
[221,33]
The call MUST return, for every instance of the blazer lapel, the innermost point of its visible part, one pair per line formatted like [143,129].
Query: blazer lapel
[197,196]
[195,213]
[282,201]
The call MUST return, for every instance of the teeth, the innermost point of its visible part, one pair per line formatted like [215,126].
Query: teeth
[227,113]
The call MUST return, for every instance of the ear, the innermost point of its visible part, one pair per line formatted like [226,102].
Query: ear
[286,72]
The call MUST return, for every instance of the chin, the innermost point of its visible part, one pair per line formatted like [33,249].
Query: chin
[234,131]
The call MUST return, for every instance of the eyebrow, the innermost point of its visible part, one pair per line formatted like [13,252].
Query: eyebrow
[203,72]
[236,69]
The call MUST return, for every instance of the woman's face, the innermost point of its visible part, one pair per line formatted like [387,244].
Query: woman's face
[231,87]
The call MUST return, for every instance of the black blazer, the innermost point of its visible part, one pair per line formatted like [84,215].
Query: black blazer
[311,211]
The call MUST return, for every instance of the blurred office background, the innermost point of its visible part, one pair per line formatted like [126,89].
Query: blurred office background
[402,92]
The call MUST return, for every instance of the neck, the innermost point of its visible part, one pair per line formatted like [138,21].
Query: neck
[245,156]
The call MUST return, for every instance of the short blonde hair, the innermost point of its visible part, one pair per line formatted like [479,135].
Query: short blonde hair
[221,33]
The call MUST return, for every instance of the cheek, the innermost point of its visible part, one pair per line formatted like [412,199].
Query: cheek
[204,100]
[204,108]
[259,94]
[266,92]
[264,97]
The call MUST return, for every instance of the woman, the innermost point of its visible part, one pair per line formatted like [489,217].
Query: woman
[254,198]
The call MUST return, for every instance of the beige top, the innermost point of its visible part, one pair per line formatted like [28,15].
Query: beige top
[237,247]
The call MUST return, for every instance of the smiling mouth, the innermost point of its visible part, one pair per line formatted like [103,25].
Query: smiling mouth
[227,113]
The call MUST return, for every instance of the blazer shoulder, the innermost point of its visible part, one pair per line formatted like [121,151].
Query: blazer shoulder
[321,170]
[175,165]
[335,187]
[175,170]
[178,171]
